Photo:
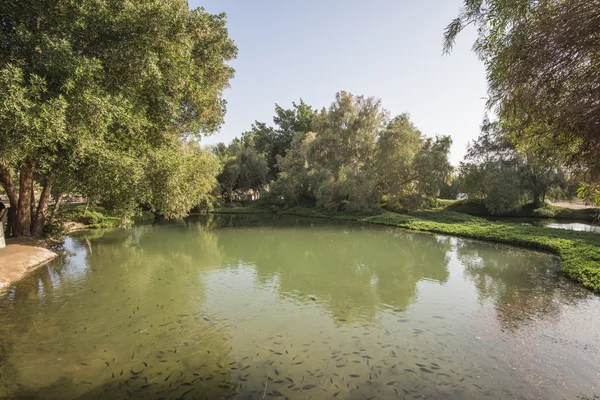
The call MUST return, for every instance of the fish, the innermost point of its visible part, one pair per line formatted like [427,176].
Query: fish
[308,387]
[354,376]
[426,370]
[390,383]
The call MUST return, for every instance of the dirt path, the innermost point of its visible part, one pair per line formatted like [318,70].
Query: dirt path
[19,257]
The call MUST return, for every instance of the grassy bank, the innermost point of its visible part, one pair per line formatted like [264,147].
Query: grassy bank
[477,208]
[578,251]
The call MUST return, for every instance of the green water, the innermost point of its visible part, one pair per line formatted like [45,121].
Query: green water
[239,307]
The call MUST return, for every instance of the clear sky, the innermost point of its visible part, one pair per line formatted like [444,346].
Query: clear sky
[390,49]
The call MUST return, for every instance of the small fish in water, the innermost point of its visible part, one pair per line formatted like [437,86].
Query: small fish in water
[308,387]
[145,364]
[426,370]
[85,365]
[354,376]
[391,383]
[409,370]
[335,394]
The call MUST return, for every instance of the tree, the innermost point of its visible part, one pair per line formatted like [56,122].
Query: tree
[242,168]
[356,156]
[343,149]
[273,142]
[543,72]
[293,181]
[98,89]
[503,177]
[410,168]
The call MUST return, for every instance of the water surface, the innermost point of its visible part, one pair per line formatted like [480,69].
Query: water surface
[579,226]
[271,307]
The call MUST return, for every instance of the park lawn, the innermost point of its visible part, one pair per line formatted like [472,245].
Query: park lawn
[579,251]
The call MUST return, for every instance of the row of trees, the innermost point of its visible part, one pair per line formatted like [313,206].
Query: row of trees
[108,99]
[543,71]
[349,156]
[503,178]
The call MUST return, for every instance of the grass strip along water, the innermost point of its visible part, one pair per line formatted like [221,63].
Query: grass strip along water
[579,252]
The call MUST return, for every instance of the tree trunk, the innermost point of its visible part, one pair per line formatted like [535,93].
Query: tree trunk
[41,212]
[536,197]
[59,199]
[32,207]
[22,223]
[11,192]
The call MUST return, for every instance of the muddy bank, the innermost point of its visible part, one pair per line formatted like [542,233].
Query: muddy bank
[19,257]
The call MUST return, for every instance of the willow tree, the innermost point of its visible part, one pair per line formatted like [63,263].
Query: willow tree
[542,59]
[99,93]
[410,168]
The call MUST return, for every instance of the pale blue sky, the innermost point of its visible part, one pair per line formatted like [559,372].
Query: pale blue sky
[390,49]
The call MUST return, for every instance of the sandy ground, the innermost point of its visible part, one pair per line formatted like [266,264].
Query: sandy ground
[20,256]
[575,204]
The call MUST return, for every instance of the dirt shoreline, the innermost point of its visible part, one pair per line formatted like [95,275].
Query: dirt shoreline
[21,256]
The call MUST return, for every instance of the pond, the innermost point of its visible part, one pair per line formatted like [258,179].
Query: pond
[580,226]
[243,307]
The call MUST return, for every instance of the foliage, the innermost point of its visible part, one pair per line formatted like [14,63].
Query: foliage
[273,142]
[578,251]
[243,169]
[94,92]
[543,71]
[357,156]
[191,174]
[503,177]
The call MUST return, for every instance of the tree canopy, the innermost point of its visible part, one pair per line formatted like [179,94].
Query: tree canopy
[105,98]
[543,69]
[504,178]
[349,156]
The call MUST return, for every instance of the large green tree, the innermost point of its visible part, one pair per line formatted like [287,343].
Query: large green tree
[542,59]
[104,95]
[409,168]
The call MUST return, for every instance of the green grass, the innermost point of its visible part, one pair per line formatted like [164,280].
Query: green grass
[578,251]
